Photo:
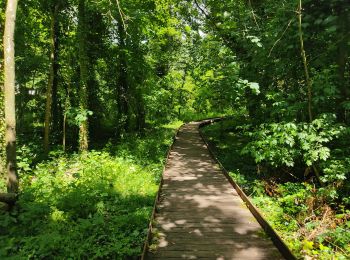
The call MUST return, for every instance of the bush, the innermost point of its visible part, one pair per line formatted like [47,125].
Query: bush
[283,144]
[313,220]
[86,206]
[90,205]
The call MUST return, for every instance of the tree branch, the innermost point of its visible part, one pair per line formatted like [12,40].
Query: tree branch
[279,39]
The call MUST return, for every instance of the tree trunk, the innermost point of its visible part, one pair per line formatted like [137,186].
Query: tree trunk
[303,55]
[84,76]
[181,96]
[2,128]
[342,58]
[52,79]
[56,107]
[123,87]
[2,138]
[9,85]
[9,198]
[2,110]
[67,106]
[140,112]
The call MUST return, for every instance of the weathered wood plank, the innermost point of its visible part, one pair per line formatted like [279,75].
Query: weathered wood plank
[199,215]
[216,241]
[234,253]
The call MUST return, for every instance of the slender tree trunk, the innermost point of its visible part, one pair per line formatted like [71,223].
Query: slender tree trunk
[9,86]
[181,97]
[67,106]
[342,58]
[51,81]
[2,132]
[123,87]
[303,55]
[308,81]
[56,108]
[84,75]
[64,132]
[2,110]
[64,124]
[140,112]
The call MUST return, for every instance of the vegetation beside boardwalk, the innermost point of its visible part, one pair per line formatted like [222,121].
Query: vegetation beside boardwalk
[91,205]
[313,220]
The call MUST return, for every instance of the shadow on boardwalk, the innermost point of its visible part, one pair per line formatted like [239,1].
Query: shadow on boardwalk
[199,215]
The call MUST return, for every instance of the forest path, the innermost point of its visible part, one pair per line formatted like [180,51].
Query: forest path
[199,214]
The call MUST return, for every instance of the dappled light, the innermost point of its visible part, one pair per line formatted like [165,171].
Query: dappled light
[272,192]
[199,214]
[94,165]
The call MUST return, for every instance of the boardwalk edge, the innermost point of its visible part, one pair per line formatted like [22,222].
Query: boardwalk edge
[276,239]
[150,226]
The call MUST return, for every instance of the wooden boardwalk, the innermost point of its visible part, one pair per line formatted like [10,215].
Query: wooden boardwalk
[200,215]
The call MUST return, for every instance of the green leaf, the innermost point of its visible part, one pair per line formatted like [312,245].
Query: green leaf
[254,87]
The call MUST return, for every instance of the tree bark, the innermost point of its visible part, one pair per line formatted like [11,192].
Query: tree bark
[67,106]
[84,76]
[9,198]
[9,98]
[123,86]
[52,79]
[56,106]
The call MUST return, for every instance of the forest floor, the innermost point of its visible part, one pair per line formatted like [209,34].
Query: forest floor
[199,214]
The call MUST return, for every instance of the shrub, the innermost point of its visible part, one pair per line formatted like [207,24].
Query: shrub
[93,205]
[283,144]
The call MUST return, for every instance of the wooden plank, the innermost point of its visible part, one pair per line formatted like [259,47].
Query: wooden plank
[213,247]
[180,220]
[210,241]
[234,253]
[212,232]
[202,225]
[198,214]
[279,243]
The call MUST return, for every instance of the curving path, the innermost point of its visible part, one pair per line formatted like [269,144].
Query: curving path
[199,214]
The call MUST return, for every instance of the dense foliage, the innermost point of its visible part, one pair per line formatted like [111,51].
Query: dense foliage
[315,222]
[294,131]
[92,205]
[105,75]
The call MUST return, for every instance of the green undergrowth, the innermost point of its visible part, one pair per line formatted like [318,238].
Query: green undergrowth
[94,205]
[314,221]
